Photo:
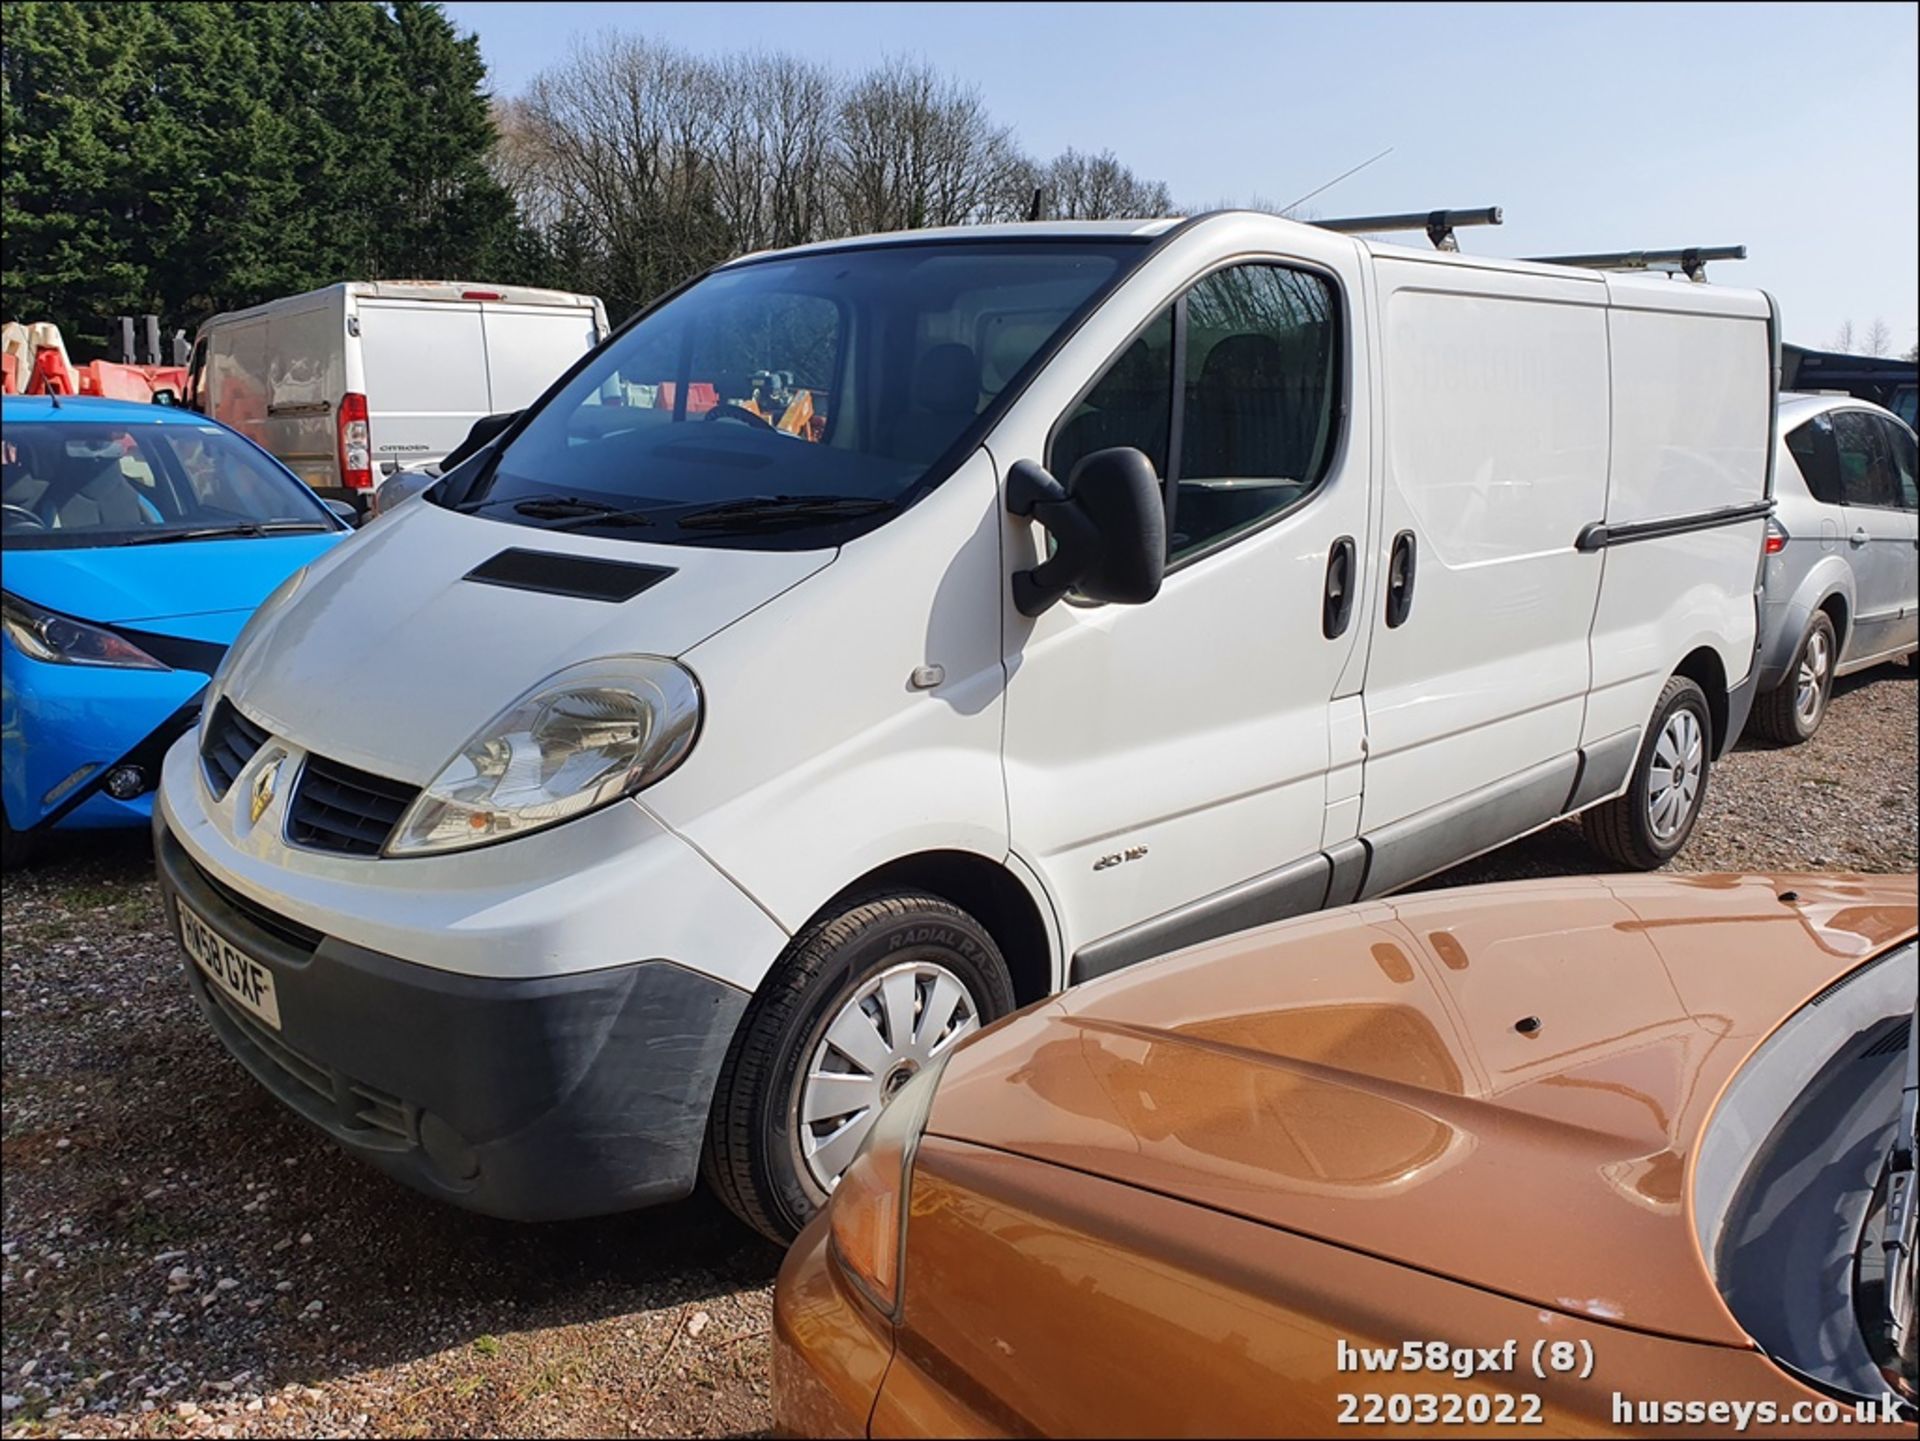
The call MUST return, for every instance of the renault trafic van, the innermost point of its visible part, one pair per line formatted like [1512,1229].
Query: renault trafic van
[876,636]
[352,382]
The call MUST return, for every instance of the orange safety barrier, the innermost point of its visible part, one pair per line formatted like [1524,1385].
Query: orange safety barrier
[51,374]
[130,382]
[36,364]
[701,396]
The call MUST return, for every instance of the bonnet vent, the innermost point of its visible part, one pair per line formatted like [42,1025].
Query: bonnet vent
[583,577]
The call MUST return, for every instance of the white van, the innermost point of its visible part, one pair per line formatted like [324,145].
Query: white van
[878,636]
[349,383]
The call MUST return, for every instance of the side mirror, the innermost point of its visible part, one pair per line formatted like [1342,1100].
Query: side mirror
[401,486]
[1109,529]
[164,396]
[344,510]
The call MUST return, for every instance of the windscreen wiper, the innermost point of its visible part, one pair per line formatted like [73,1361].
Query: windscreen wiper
[218,532]
[536,504]
[569,511]
[756,510]
[605,515]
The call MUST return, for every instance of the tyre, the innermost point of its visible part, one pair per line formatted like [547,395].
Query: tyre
[1645,827]
[860,1000]
[1792,711]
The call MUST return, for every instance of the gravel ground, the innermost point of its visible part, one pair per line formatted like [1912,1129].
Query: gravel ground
[183,1256]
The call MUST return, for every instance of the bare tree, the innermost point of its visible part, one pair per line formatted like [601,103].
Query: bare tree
[916,149]
[520,163]
[1843,338]
[774,151]
[635,164]
[1078,186]
[622,131]
[1879,338]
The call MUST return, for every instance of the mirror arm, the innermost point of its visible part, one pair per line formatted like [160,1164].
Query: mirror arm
[1035,494]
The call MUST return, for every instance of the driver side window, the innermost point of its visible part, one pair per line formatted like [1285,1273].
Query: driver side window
[1250,429]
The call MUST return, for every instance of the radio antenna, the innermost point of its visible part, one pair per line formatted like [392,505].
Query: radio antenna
[1288,210]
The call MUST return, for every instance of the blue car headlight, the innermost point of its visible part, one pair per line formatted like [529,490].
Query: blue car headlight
[61,640]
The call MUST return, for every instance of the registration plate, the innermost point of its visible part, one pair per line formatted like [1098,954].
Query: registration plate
[243,979]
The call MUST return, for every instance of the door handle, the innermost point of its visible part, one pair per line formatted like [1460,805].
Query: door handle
[1400,579]
[1859,536]
[1336,609]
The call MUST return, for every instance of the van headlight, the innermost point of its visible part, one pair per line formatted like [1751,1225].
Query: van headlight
[580,739]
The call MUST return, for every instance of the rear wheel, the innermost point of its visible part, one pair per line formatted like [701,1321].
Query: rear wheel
[1645,828]
[861,1001]
[1792,711]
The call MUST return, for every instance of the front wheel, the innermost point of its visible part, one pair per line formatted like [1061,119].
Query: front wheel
[862,1000]
[1645,827]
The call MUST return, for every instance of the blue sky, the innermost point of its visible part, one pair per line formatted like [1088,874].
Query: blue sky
[1792,129]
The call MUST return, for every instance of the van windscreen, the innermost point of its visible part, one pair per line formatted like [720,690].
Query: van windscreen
[781,395]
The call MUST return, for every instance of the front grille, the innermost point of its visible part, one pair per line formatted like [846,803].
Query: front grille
[311,1077]
[337,808]
[380,1111]
[324,1094]
[282,928]
[231,742]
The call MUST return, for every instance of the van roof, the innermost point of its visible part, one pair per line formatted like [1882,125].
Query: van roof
[1149,229]
[1014,230]
[422,290]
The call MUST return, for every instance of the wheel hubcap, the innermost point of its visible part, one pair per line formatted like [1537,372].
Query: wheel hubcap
[890,1029]
[1673,784]
[1810,685]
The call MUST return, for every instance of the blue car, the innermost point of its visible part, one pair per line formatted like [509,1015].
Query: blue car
[137,539]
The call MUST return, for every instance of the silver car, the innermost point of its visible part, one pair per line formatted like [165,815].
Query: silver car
[1843,557]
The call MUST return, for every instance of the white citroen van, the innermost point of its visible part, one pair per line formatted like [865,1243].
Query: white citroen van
[352,382]
[876,636]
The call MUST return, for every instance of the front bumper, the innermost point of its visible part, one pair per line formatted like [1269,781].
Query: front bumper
[67,728]
[535,1098]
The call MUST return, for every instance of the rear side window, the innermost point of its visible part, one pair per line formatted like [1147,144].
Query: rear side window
[1248,431]
[1811,446]
[1900,442]
[1867,473]
[1906,405]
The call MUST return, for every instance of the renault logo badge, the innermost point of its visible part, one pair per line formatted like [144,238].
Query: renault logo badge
[262,791]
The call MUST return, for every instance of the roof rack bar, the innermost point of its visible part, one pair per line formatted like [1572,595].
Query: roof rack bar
[1691,261]
[1439,224]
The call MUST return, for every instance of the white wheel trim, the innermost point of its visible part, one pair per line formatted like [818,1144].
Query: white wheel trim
[893,1026]
[1810,683]
[1673,779]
